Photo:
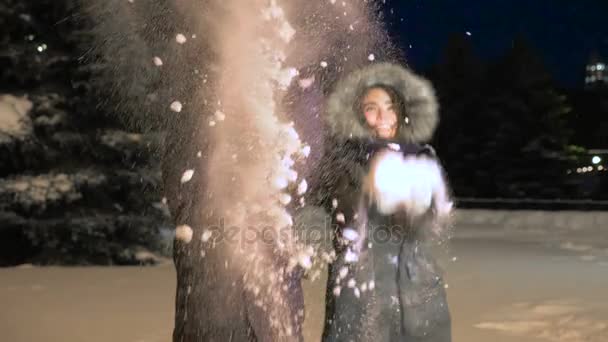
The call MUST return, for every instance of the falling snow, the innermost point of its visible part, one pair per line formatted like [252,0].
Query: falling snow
[350,234]
[340,217]
[302,187]
[305,83]
[287,32]
[206,235]
[180,38]
[292,175]
[219,115]
[187,176]
[183,233]
[305,261]
[351,257]
[343,272]
[158,61]
[306,151]
[281,183]
[176,106]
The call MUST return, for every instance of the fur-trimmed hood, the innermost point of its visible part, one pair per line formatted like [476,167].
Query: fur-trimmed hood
[416,125]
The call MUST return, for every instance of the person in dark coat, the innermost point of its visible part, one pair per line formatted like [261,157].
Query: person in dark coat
[384,284]
[215,296]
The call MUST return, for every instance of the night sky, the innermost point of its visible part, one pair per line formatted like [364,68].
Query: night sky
[563,32]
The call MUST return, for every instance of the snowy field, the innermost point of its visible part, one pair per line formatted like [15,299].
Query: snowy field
[532,283]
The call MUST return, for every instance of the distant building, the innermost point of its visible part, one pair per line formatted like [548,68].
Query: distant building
[596,72]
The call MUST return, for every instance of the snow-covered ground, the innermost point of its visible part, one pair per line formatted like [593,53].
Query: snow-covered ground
[504,286]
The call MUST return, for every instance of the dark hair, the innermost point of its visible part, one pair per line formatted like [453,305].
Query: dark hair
[396,98]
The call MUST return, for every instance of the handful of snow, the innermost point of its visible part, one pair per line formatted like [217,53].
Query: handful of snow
[407,183]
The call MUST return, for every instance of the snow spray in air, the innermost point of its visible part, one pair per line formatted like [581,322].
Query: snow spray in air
[236,78]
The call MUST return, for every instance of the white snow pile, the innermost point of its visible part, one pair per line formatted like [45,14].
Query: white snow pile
[15,122]
[38,190]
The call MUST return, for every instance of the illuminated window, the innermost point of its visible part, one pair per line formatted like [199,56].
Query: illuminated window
[593,68]
[592,79]
[600,66]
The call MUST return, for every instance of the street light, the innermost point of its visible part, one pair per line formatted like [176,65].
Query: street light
[596,160]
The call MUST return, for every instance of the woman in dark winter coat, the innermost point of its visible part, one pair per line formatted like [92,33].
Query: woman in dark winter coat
[384,285]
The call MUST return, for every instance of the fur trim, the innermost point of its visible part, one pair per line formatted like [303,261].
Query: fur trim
[416,125]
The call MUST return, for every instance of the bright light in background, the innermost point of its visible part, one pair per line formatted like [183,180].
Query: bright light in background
[596,160]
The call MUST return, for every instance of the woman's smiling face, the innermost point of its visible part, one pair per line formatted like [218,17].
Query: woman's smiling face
[380,113]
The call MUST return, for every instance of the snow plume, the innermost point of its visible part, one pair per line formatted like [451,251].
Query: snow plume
[230,82]
[253,75]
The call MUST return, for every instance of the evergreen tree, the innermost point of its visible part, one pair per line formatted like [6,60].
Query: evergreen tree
[458,79]
[527,133]
[76,187]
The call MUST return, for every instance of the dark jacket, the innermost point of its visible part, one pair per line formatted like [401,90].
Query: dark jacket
[385,286]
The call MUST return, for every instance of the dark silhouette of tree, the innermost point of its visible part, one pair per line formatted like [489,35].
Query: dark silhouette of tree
[504,127]
[459,81]
[527,124]
[79,188]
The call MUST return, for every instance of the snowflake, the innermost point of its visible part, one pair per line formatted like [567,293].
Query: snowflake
[180,38]
[158,61]
[187,176]
[176,106]
[183,233]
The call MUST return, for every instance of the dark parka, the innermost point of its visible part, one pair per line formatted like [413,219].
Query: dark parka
[394,291]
